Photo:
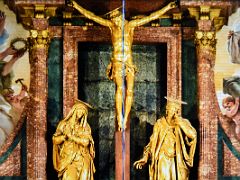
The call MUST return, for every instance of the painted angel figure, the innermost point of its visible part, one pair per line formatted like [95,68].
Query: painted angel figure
[234,41]
[232,110]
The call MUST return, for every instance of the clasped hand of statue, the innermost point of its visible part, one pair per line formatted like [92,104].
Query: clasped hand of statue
[70,137]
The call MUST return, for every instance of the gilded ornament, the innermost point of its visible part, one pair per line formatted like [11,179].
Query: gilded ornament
[34,33]
[206,40]
[204,12]
[67,15]
[215,13]
[39,10]
[207,13]
[45,33]
[209,35]
[39,39]
[218,23]
[199,34]
[194,12]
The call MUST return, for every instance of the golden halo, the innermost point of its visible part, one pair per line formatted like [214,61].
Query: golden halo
[77,101]
[176,101]
[113,13]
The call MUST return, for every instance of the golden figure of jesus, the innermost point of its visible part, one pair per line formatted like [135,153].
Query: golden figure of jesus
[122,54]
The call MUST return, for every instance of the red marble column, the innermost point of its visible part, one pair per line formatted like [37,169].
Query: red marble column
[207,102]
[37,110]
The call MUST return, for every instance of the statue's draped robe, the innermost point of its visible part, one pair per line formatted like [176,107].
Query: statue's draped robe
[169,157]
[70,154]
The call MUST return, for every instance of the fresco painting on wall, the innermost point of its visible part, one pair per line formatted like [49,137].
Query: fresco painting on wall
[227,75]
[14,73]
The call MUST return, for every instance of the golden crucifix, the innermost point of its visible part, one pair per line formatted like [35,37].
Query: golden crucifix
[122,38]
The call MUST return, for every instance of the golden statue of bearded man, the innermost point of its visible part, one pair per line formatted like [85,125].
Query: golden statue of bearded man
[167,150]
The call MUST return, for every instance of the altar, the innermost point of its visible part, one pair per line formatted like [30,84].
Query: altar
[178,55]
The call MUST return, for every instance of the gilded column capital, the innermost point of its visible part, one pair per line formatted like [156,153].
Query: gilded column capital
[206,40]
[39,38]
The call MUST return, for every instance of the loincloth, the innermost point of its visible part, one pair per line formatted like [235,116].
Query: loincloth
[116,69]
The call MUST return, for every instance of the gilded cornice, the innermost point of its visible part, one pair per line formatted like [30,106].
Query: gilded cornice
[208,13]
[27,9]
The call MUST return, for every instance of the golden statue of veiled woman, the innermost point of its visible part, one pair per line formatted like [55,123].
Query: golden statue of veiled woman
[121,67]
[73,145]
[169,149]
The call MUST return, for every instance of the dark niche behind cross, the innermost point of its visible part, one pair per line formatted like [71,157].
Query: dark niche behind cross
[94,87]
